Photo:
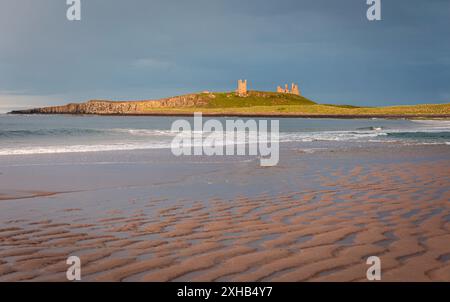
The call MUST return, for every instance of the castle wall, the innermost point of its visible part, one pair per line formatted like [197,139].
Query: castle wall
[294,89]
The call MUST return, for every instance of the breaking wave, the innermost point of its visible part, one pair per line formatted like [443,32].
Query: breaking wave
[80,139]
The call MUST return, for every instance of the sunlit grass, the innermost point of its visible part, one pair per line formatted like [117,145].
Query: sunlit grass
[287,104]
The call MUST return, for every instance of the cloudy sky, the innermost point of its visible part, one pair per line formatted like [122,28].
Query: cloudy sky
[141,49]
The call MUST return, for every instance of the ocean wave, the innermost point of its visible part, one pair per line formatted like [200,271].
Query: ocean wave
[49,132]
[329,136]
[371,128]
[54,132]
[420,135]
[81,148]
[218,139]
[145,132]
[121,139]
[433,124]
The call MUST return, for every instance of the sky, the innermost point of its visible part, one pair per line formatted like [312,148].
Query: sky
[147,49]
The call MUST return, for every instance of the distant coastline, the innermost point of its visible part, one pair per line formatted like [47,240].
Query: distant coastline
[251,104]
[9,109]
[259,115]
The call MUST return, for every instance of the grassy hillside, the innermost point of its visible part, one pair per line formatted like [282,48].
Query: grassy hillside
[254,98]
[254,104]
[259,102]
[284,104]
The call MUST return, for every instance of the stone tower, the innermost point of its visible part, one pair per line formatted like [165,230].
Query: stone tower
[242,88]
[295,89]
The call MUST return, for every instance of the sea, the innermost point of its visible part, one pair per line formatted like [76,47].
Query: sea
[51,134]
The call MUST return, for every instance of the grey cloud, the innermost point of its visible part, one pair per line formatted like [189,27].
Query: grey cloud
[145,49]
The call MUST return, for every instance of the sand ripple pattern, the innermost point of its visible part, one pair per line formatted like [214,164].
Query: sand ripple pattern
[399,212]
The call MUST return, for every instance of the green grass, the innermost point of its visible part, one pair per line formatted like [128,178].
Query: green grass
[258,102]
[254,98]
[315,109]
[343,106]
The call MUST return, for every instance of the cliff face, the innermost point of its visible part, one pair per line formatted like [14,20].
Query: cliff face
[91,107]
[131,107]
[210,100]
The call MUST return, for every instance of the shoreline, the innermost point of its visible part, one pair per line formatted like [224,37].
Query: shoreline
[255,115]
[139,221]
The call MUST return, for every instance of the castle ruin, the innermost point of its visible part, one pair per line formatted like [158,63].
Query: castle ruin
[294,89]
[242,88]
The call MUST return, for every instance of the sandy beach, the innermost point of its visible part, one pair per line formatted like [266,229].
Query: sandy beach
[275,144]
[149,217]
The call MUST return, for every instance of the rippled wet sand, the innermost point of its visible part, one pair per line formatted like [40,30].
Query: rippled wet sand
[399,212]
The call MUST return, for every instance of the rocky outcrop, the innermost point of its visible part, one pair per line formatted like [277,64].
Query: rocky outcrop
[131,107]
[91,107]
